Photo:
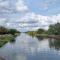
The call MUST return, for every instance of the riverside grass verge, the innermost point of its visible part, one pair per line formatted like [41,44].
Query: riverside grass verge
[7,35]
[6,38]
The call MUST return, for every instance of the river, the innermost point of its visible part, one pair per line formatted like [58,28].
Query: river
[31,48]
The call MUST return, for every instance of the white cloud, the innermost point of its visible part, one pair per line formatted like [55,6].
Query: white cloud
[46,4]
[28,20]
[32,21]
[2,21]
[42,21]
[20,6]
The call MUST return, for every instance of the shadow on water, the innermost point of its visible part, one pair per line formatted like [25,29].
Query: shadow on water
[54,43]
[39,38]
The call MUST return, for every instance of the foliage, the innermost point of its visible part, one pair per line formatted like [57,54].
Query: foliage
[7,35]
[54,29]
[32,33]
[41,31]
[6,38]
[4,30]
[13,31]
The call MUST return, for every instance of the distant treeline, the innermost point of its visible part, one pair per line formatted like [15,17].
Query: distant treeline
[4,30]
[54,29]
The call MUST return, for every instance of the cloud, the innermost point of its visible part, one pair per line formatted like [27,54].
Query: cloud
[25,21]
[32,21]
[20,6]
[42,21]
[45,4]
[2,21]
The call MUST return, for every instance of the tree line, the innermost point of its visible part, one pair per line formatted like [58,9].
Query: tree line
[54,29]
[4,30]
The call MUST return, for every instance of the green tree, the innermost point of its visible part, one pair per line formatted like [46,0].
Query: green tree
[54,29]
[40,31]
[3,30]
[13,31]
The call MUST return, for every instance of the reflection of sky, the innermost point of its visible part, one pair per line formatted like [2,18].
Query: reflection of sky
[26,48]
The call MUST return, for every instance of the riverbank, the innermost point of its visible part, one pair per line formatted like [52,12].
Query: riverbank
[48,36]
[33,34]
[6,38]
[7,35]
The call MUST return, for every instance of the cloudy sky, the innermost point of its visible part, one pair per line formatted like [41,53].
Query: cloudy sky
[26,15]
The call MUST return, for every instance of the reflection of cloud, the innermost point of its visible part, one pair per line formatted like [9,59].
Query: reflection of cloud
[31,45]
[26,47]
[20,57]
[43,45]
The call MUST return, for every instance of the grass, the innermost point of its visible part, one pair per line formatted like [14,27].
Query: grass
[6,38]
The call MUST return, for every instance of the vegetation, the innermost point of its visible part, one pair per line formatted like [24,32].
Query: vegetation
[32,33]
[14,32]
[40,31]
[4,30]
[7,35]
[6,38]
[54,29]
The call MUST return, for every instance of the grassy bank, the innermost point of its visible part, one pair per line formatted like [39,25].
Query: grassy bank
[6,38]
[7,35]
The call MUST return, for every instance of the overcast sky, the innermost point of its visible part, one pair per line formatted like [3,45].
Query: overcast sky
[26,15]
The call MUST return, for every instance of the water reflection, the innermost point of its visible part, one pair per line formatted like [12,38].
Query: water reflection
[28,48]
[39,38]
[54,43]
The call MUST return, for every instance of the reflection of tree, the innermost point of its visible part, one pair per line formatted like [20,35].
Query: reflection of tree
[39,38]
[54,43]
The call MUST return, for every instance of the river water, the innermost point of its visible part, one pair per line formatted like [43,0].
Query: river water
[31,48]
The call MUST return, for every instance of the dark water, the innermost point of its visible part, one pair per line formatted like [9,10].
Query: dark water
[31,48]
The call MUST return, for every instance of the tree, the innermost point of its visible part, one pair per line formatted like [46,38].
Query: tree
[13,31]
[40,31]
[54,29]
[3,30]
